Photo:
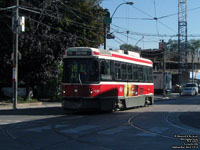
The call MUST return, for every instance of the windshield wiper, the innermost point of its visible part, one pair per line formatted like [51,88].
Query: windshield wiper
[79,78]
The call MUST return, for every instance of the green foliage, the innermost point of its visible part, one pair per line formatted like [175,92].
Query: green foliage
[193,45]
[129,47]
[58,25]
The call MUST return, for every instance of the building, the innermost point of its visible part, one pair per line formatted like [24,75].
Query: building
[193,65]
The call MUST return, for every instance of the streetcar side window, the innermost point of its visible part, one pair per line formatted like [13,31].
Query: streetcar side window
[135,73]
[130,72]
[117,71]
[124,72]
[105,70]
[146,74]
[150,72]
[141,73]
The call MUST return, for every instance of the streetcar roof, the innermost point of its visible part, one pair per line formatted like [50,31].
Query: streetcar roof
[83,52]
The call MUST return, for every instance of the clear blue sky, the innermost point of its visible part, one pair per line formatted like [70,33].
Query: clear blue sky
[146,32]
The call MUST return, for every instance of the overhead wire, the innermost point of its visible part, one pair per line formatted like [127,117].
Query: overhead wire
[57,18]
[83,38]
[123,34]
[120,40]
[133,18]
[7,8]
[83,14]
[156,19]
[177,13]
[69,9]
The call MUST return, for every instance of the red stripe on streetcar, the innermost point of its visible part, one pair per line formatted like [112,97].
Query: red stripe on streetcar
[96,53]
[133,59]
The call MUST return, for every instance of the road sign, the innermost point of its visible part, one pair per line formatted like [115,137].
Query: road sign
[107,20]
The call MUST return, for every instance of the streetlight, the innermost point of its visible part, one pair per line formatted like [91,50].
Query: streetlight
[127,3]
[108,20]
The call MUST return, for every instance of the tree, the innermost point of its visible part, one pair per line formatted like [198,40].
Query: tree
[51,27]
[129,47]
[193,45]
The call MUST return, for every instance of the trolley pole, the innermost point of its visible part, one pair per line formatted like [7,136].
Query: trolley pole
[15,56]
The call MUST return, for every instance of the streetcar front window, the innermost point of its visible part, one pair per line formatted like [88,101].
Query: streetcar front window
[80,70]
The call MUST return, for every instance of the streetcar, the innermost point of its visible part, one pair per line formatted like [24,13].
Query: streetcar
[105,80]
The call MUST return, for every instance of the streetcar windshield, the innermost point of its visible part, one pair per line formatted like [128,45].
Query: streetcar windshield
[80,70]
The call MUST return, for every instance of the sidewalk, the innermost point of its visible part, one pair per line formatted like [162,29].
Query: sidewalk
[168,96]
[4,106]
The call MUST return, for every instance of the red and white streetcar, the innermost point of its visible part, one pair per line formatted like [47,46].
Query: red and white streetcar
[105,79]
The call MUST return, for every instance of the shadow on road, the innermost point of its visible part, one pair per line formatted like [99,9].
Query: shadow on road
[34,111]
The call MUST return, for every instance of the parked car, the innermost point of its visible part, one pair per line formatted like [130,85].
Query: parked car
[188,91]
[193,85]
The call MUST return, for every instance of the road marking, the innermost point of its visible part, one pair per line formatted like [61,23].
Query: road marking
[79,129]
[115,130]
[155,130]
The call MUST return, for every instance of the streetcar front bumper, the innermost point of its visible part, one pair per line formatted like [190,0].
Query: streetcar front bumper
[80,103]
[105,104]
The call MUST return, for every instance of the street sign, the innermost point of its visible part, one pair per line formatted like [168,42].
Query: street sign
[110,36]
[107,20]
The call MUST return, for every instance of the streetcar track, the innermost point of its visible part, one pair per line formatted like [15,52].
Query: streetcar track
[130,122]
[76,139]
[53,128]
[6,131]
[176,126]
[14,138]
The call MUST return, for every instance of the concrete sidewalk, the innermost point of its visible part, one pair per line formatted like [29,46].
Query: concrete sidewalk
[168,96]
[4,106]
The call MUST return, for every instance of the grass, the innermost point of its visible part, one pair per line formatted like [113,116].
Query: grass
[19,100]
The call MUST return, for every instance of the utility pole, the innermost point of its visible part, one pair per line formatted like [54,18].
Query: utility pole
[164,68]
[15,55]
[162,47]
[192,65]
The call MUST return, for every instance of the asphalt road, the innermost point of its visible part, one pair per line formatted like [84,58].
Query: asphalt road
[168,124]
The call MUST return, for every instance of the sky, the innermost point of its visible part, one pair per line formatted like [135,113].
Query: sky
[143,30]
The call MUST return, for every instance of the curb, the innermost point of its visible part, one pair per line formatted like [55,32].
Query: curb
[166,98]
[20,105]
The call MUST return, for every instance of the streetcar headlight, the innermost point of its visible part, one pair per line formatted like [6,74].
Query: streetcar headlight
[91,90]
[64,91]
